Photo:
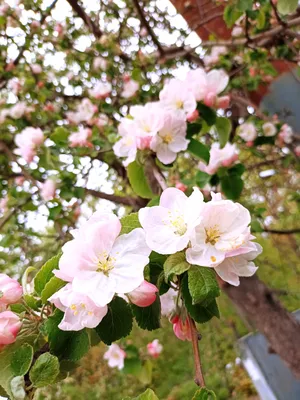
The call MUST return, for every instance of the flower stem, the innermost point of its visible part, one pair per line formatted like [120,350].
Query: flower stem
[199,378]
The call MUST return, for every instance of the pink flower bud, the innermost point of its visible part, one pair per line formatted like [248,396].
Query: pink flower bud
[19,180]
[193,116]
[181,328]
[144,143]
[250,143]
[144,295]
[10,290]
[10,326]
[181,186]
[223,102]
[297,151]
[48,190]
[154,348]
[252,71]
[210,99]
[35,24]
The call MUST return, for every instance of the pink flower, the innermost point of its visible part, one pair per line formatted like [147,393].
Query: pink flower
[181,328]
[80,138]
[10,326]
[247,131]
[219,157]
[18,110]
[181,186]
[3,204]
[36,69]
[285,135]
[99,63]
[223,102]
[59,28]
[10,290]
[100,263]
[269,129]
[48,190]
[115,356]
[144,295]
[214,55]
[192,116]
[130,88]
[80,310]
[177,97]
[28,141]
[297,151]
[237,31]
[84,112]
[168,302]
[101,90]
[154,348]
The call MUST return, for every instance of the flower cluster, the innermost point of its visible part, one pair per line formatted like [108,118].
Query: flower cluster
[161,126]
[215,234]
[10,292]
[98,264]
[28,142]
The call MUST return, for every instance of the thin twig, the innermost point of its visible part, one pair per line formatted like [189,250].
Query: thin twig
[199,378]
[282,232]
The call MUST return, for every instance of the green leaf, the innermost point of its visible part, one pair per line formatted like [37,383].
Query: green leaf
[45,273]
[138,180]
[237,169]
[66,345]
[193,129]
[147,317]
[261,19]
[232,186]
[60,135]
[175,264]
[51,287]
[148,395]
[44,371]
[202,178]
[198,312]
[129,222]
[154,202]
[132,365]
[117,323]
[203,285]
[207,113]
[244,5]
[287,6]
[231,15]
[22,359]
[204,394]
[145,377]
[199,150]
[223,126]
[32,302]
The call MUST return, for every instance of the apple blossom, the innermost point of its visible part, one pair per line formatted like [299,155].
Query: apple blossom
[28,141]
[214,55]
[99,63]
[84,112]
[177,97]
[192,116]
[18,110]
[99,263]
[181,186]
[269,129]
[170,138]
[144,295]
[101,120]
[168,302]
[297,151]
[216,82]
[224,227]
[219,157]
[80,310]
[196,82]
[3,204]
[147,121]
[286,134]
[48,190]
[10,326]
[81,138]
[170,226]
[181,328]
[154,348]
[129,89]
[36,68]
[100,90]
[127,145]
[239,265]
[10,290]
[223,102]
[247,131]
[237,31]
[115,356]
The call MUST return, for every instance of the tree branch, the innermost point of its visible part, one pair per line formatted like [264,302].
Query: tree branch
[282,232]
[135,203]
[199,378]
[86,19]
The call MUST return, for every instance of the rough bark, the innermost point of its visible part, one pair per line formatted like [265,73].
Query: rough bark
[260,306]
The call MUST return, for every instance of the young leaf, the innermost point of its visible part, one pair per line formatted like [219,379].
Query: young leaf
[117,323]
[129,222]
[175,264]
[44,371]
[148,395]
[207,113]
[60,135]
[148,317]
[66,345]
[193,129]
[223,126]
[204,394]
[138,180]
[202,178]
[232,186]
[231,15]
[199,150]
[51,287]
[287,6]
[45,273]
[203,285]
[22,359]
[199,313]
[32,302]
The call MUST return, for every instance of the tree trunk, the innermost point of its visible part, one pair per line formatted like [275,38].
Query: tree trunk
[261,307]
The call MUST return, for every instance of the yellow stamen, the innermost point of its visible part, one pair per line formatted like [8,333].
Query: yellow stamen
[168,138]
[212,235]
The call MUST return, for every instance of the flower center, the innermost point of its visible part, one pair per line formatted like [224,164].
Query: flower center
[179,103]
[105,264]
[77,308]
[178,224]
[212,235]
[168,138]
